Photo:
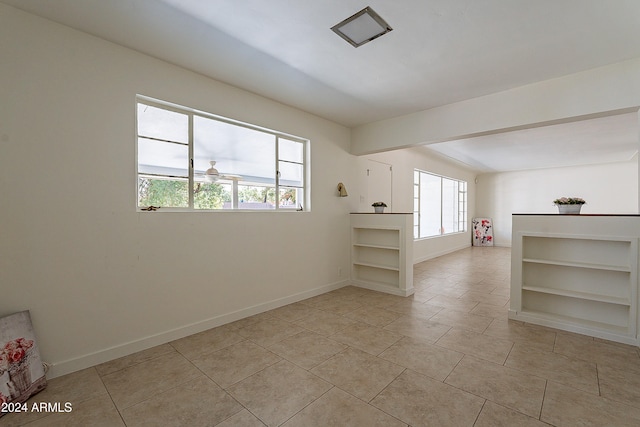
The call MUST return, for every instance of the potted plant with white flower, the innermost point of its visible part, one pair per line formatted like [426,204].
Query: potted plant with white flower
[378,207]
[569,205]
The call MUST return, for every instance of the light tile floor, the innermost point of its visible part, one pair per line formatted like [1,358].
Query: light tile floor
[447,356]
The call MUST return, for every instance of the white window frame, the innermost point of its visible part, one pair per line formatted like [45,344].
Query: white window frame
[461,200]
[301,206]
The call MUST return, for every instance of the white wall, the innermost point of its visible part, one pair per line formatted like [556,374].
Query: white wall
[404,162]
[608,189]
[102,280]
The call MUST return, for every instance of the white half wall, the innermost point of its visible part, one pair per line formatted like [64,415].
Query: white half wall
[102,280]
[608,189]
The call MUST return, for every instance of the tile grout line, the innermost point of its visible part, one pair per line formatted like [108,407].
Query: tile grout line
[544,396]
[379,393]
[224,389]
[480,412]
[308,404]
[111,397]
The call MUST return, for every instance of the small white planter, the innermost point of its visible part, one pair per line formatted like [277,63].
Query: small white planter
[569,209]
[378,209]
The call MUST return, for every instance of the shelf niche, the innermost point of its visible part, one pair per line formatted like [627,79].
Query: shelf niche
[382,252]
[577,273]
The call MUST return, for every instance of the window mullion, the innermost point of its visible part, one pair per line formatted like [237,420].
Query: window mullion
[441,203]
[234,194]
[305,178]
[277,158]
[191,172]
[419,204]
[162,140]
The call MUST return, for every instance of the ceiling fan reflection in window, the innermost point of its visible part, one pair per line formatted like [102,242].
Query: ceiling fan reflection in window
[212,175]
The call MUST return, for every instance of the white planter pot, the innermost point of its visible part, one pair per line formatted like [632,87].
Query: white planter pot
[379,209]
[569,209]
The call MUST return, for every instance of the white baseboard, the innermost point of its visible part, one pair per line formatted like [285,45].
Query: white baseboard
[503,245]
[92,359]
[382,288]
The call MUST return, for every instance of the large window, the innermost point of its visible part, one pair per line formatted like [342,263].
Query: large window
[439,205]
[189,160]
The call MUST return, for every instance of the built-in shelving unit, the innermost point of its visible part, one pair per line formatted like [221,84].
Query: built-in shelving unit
[576,273]
[382,252]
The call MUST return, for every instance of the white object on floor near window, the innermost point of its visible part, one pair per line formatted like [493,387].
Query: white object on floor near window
[190,160]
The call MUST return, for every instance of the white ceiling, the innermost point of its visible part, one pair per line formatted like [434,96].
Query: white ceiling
[601,140]
[439,52]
